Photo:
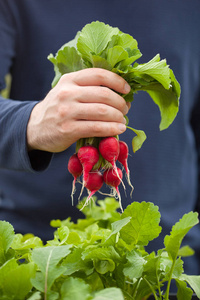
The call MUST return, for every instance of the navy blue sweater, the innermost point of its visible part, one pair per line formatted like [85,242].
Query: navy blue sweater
[36,188]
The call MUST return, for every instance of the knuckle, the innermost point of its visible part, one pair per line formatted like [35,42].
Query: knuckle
[62,112]
[64,94]
[111,130]
[100,74]
[97,128]
[102,110]
[66,129]
[105,93]
[63,78]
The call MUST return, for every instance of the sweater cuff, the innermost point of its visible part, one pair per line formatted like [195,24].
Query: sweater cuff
[14,118]
[34,160]
[39,160]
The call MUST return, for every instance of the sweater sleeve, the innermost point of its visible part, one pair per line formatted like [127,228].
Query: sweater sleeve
[14,115]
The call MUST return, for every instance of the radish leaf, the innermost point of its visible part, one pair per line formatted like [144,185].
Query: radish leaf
[144,224]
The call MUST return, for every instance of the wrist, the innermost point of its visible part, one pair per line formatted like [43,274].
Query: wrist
[31,133]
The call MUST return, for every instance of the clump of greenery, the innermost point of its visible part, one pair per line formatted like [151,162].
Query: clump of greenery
[102,256]
[100,45]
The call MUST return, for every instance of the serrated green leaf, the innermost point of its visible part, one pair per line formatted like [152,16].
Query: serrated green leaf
[116,55]
[94,38]
[23,242]
[138,140]
[193,281]
[127,41]
[35,296]
[179,230]
[183,293]
[144,224]
[101,253]
[133,56]
[157,69]
[16,281]
[75,288]
[47,259]
[63,233]
[108,294]
[74,238]
[135,265]
[100,210]
[6,235]
[118,225]
[57,76]
[104,258]
[5,269]
[167,101]
[67,60]
[56,223]
[178,268]
[73,263]
[186,251]
[153,268]
[104,265]
[100,62]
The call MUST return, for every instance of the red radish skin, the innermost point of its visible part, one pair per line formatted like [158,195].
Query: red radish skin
[113,177]
[93,184]
[123,159]
[88,156]
[76,169]
[109,149]
[123,155]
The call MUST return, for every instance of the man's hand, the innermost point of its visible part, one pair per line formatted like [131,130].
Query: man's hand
[82,104]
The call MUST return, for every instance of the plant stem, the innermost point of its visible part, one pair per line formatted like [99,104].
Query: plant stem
[153,291]
[158,282]
[136,288]
[169,281]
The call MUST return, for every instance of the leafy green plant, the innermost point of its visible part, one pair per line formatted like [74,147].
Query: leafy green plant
[102,256]
[100,45]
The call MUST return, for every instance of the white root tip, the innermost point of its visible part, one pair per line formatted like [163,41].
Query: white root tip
[87,202]
[73,190]
[120,200]
[82,188]
[129,183]
[115,168]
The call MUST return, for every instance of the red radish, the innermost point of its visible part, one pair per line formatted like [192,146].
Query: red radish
[123,155]
[93,184]
[88,156]
[123,159]
[113,177]
[76,169]
[109,149]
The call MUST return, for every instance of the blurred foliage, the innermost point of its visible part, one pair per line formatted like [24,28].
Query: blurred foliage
[6,92]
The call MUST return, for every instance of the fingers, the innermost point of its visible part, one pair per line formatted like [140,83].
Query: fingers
[102,95]
[83,104]
[103,112]
[84,129]
[96,86]
[100,77]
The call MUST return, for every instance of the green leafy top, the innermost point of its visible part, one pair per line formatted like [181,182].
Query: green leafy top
[100,257]
[102,46]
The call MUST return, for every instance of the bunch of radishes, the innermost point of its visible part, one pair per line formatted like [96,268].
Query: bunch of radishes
[95,160]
